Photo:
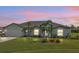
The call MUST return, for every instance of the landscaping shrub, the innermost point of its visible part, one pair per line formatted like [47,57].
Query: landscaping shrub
[44,40]
[51,40]
[59,40]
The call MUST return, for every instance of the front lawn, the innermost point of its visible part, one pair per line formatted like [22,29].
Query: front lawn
[34,45]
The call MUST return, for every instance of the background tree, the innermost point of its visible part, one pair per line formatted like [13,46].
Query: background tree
[72,26]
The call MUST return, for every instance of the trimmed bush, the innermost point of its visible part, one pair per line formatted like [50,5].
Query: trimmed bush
[44,40]
[51,40]
[59,40]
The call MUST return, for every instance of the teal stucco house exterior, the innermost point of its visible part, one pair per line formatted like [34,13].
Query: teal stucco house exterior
[13,30]
[37,29]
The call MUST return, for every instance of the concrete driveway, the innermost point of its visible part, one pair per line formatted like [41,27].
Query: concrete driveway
[3,39]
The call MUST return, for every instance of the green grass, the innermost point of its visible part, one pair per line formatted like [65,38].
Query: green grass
[28,45]
[74,35]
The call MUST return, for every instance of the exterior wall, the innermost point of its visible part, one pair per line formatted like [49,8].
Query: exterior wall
[54,33]
[42,33]
[1,32]
[13,31]
[66,32]
[31,31]
[28,32]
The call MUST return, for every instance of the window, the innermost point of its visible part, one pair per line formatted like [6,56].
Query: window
[46,34]
[0,30]
[26,31]
[60,32]
[5,30]
[36,31]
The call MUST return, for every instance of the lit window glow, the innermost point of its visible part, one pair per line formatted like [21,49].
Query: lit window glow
[46,34]
[26,30]
[60,32]
[36,31]
[0,30]
[5,30]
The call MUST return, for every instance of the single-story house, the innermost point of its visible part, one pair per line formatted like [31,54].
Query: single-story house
[46,29]
[37,29]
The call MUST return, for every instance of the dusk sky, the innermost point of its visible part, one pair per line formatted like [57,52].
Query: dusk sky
[20,14]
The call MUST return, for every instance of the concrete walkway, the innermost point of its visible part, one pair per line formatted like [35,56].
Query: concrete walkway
[3,39]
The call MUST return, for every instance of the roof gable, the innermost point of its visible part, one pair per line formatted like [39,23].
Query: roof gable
[13,24]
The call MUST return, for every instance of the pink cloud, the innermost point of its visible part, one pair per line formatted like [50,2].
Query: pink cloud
[4,21]
[73,8]
[69,18]
[36,15]
[74,20]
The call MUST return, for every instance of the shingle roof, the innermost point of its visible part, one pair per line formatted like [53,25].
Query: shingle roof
[33,23]
[56,25]
[13,24]
[1,27]
[38,23]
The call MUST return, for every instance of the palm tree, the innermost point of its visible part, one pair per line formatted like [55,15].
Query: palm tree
[47,27]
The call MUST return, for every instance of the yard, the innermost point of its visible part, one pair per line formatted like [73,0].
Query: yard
[27,45]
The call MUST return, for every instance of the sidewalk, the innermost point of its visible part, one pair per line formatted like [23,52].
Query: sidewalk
[3,39]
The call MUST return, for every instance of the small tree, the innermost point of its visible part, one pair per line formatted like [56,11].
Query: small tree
[47,27]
